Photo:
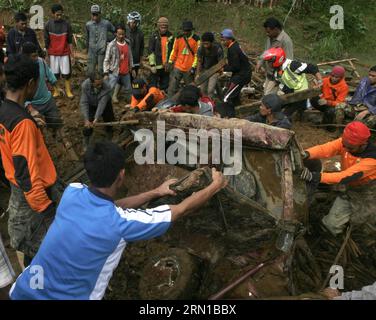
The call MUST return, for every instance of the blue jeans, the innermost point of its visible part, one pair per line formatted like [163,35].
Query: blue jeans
[125,82]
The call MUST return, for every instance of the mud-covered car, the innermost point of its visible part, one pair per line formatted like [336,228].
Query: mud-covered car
[254,227]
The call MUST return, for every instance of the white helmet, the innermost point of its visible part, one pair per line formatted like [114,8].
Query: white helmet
[134,16]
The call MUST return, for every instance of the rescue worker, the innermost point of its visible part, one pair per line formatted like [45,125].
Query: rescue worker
[27,163]
[43,102]
[160,47]
[136,36]
[209,54]
[99,32]
[92,230]
[58,38]
[291,76]
[271,113]
[144,97]
[190,100]
[276,37]
[118,64]
[358,175]
[334,93]
[238,64]
[183,59]
[95,103]
[20,34]
[362,106]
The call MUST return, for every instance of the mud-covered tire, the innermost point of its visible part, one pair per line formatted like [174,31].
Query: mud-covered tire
[173,275]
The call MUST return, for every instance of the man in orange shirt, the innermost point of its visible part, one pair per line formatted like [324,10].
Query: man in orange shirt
[358,175]
[145,98]
[334,93]
[26,161]
[183,58]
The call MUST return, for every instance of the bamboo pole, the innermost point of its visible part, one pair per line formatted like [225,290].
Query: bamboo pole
[117,123]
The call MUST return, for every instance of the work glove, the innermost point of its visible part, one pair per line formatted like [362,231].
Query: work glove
[153,69]
[309,176]
[322,102]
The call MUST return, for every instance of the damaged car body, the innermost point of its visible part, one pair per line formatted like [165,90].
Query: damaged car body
[243,244]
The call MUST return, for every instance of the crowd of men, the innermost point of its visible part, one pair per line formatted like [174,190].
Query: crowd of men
[81,266]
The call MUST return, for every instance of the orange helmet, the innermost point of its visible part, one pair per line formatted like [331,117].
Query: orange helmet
[275,55]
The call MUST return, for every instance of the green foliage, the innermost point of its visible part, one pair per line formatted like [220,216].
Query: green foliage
[328,47]
[17,5]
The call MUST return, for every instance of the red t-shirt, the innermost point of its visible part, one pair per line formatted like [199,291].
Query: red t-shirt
[124,59]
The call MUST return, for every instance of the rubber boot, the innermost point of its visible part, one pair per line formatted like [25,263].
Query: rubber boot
[56,92]
[116,92]
[68,90]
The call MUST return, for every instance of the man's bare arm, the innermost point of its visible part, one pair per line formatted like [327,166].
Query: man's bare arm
[198,199]
[134,202]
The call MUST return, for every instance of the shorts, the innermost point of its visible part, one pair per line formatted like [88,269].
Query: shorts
[6,271]
[60,65]
[26,227]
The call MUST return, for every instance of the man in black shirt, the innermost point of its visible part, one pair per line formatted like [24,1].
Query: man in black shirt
[136,36]
[21,34]
[209,54]
[238,64]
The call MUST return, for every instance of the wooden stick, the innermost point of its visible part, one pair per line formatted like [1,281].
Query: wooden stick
[335,61]
[352,66]
[335,126]
[339,254]
[116,123]
[234,284]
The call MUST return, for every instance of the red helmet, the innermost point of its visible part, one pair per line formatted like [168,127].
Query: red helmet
[275,55]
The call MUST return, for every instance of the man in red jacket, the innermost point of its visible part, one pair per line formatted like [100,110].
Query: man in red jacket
[58,38]
[334,93]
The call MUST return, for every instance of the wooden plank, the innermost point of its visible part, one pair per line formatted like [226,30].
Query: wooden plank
[335,62]
[210,72]
[287,99]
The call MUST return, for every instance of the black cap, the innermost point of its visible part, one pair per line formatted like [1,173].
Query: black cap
[137,86]
[189,96]
[273,102]
[187,26]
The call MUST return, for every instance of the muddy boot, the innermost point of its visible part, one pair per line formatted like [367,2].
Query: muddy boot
[56,92]
[116,92]
[68,90]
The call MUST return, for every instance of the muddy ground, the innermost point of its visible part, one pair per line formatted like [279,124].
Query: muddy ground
[209,238]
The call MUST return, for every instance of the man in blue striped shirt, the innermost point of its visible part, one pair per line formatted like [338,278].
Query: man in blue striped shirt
[85,242]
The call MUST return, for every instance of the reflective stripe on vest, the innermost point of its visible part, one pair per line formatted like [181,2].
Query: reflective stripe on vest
[297,82]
